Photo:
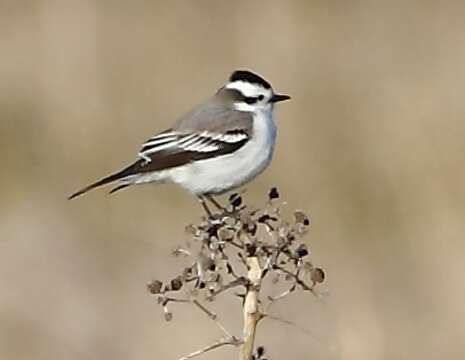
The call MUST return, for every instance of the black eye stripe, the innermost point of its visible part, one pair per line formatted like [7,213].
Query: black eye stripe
[238,96]
[253,99]
[250,99]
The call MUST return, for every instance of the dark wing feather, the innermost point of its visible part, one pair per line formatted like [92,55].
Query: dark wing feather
[172,157]
[176,156]
[207,131]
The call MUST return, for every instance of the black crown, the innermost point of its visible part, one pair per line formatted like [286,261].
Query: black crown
[248,76]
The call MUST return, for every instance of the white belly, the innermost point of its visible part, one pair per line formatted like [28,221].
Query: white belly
[226,172]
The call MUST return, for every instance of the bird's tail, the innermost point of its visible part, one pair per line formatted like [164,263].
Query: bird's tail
[106,180]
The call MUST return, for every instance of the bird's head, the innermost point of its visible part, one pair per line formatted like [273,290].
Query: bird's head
[250,92]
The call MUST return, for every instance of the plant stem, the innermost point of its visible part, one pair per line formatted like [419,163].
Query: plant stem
[252,314]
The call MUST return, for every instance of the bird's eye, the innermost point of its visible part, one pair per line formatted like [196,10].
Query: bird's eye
[260,97]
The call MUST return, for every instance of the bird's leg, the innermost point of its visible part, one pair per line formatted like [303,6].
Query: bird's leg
[216,203]
[205,207]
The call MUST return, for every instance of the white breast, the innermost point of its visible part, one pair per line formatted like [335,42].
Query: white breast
[226,172]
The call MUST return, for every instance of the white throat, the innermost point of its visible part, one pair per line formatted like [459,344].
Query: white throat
[243,106]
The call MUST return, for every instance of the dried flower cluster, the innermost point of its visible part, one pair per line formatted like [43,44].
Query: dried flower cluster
[222,251]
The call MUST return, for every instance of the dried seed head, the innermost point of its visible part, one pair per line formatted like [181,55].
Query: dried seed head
[250,249]
[226,234]
[317,275]
[186,272]
[229,221]
[219,243]
[301,251]
[235,200]
[176,284]
[155,287]
[264,218]
[273,194]
[301,218]
[259,354]
[250,227]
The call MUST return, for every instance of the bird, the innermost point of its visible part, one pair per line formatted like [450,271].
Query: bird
[219,145]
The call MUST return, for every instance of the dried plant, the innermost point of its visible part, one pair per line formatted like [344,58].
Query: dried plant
[239,248]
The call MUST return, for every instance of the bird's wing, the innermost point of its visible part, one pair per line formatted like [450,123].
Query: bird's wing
[197,136]
[170,149]
[164,152]
[201,142]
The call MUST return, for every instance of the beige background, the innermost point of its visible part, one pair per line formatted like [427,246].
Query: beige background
[371,146]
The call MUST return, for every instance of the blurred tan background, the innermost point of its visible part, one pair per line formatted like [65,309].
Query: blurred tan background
[371,146]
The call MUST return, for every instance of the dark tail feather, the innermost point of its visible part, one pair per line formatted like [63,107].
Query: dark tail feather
[104,181]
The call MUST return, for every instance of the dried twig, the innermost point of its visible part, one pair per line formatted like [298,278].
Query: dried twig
[251,312]
[228,250]
[231,341]
[214,317]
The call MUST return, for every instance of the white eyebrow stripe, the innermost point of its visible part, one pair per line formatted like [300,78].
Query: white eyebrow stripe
[247,89]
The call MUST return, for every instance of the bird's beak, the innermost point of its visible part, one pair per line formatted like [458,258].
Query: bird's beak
[277,98]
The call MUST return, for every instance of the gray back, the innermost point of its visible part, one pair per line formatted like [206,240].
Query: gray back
[217,114]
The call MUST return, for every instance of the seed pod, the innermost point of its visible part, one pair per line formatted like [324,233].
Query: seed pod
[273,194]
[154,287]
[235,200]
[176,284]
[317,275]
[301,251]
[225,234]
[301,218]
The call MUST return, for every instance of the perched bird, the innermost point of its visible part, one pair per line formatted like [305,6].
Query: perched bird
[219,145]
